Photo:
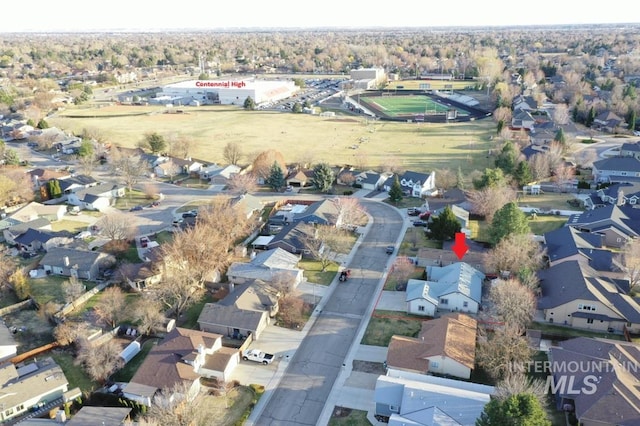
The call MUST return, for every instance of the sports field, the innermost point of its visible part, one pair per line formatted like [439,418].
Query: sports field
[300,137]
[407,105]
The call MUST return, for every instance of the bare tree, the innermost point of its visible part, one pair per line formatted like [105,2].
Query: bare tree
[261,166]
[232,153]
[147,312]
[563,174]
[561,114]
[325,242]
[177,292]
[586,157]
[487,201]
[69,332]
[540,166]
[401,270]
[88,163]
[180,405]
[198,253]
[72,288]
[500,353]
[515,254]
[242,183]
[111,308]
[129,168]
[446,178]
[7,268]
[350,212]
[629,259]
[99,361]
[512,303]
[116,226]
[519,383]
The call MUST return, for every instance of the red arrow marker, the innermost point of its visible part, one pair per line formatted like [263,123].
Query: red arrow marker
[460,247]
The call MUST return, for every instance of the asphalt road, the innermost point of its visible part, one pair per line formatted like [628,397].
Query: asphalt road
[306,384]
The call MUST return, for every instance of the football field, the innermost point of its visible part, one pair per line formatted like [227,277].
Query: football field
[399,105]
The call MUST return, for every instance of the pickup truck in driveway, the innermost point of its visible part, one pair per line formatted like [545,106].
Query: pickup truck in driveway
[257,356]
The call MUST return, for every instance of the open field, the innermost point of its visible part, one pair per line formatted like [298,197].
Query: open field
[405,105]
[346,140]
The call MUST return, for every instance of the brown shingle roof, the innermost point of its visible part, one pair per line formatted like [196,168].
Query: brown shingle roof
[453,336]
[165,365]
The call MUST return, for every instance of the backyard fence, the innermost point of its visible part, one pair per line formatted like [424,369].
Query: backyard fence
[72,306]
[16,307]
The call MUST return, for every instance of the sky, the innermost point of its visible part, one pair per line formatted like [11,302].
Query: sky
[146,15]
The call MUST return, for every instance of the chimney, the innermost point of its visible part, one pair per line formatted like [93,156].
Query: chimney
[66,261]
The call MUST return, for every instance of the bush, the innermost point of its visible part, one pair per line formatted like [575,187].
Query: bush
[347,193]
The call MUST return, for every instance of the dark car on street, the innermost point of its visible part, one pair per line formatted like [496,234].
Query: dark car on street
[421,223]
[135,208]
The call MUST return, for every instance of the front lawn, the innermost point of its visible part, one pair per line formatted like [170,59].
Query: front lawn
[541,224]
[313,271]
[384,324]
[348,417]
[72,226]
[392,280]
[415,239]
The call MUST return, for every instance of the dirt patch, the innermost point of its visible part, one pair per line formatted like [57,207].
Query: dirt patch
[31,329]
[339,412]
[368,367]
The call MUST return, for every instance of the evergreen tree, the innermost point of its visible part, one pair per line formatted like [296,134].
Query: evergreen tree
[249,104]
[11,157]
[276,177]
[490,178]
[522,409]
[42,124]
[499,127]
[395,193]
[156,142]
[506,221]
[522,174]
[444,226]
[631,120]
[86,149]
[560,137]
[506,160]
[590,117]
[323,177]
[53,187]
[460,179]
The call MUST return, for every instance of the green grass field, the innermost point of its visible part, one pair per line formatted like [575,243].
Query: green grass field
[402,105]
[300,137]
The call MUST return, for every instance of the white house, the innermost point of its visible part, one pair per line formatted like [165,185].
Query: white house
[415,184]
[456,287]
[97,197]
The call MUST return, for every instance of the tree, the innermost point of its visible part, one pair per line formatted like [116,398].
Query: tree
[155,142]
[324,242]
[444,226]
[516,410]
[515,255]
[147,312]
[249,104]
[512,303]
[508,220]
[72,289]
[507,158]
[86,149]
[69,332]
[446,178]
[232,153]
[522,174]
[490,178]
[401,270]
[323,177]
[180,405]
[116,226]
[519,383]
[540,166]
[395,193]
[20,284]
[11,157]
[460,179]
[99,361]
[54,189]
[350,212]
[486,201]
[276,178]
[263,163]
[498,352]
[130,169]
[110,309]
[629,258]
[42,124]
[560,137]
[242,183]
[631,120]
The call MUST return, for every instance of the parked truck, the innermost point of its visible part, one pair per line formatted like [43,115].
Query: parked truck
[257,355]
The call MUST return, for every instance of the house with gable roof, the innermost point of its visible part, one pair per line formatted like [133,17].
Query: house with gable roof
[82,264]
[456,287]
[630,149]
[617,193]
[608,121]
[182,357]
[617,224]
[97,197]
[568,243]
[522,120]
[323,212]
[266,266]
[414,184]
[575,294]
[30,386]
[445,345]
[405,398]
[616,169]
[34,240]
[246,310]
[609,370]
